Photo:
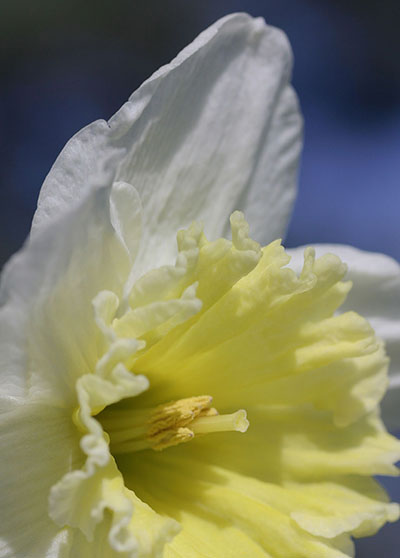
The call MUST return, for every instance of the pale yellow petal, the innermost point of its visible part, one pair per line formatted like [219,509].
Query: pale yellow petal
[39,445]
[273,338]
[220,514]
[286,443]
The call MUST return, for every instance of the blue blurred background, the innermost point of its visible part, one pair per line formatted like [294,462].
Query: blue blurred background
[65,64]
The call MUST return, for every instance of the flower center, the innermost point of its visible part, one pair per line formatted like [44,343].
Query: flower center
[167,425]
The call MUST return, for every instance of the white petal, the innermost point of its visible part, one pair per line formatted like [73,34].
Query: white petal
[39,444]
[48,333]
[376,296]
[217,129]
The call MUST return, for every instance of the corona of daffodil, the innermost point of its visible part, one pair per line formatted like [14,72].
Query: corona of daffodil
[209,404]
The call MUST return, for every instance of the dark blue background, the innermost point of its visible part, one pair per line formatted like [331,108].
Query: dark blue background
[65,64]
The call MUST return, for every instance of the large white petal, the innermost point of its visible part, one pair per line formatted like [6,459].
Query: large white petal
[48,334]
[376,296]
[39,445]
[215,130]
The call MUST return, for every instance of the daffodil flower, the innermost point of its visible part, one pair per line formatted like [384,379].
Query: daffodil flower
[214,407]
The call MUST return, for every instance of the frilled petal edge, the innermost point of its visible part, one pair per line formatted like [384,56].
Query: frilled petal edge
[375,294]
[47,289]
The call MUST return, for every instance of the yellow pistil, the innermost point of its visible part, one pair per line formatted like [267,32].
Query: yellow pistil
[167,425]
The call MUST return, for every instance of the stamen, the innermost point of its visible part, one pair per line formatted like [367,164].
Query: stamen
[167,425]
[221,423]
